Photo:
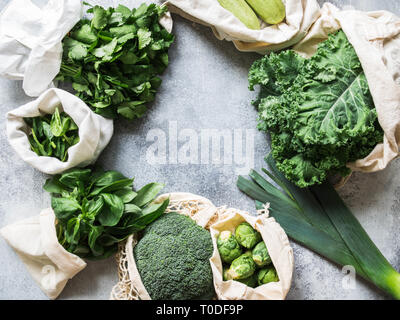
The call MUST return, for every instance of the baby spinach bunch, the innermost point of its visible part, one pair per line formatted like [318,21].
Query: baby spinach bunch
[97,209]
[114,59]
[52,135]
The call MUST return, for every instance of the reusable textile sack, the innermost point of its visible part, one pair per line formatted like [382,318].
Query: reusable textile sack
[35,242]
[95,131]
[30,41]
[201,210]
[300,15]
[375,37]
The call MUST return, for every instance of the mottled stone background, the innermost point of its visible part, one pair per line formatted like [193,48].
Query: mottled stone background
[205,87]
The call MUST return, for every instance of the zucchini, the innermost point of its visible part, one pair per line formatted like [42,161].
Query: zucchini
[270,11]
[241,10]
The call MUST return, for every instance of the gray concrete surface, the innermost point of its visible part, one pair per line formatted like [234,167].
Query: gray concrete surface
[205,87]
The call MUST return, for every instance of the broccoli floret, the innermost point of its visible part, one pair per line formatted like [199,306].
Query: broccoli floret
[173,259]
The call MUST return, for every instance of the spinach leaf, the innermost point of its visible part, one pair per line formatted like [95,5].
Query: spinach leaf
[97,209]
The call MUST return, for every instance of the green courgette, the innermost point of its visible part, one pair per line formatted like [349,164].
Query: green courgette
[270,11]
[241,10]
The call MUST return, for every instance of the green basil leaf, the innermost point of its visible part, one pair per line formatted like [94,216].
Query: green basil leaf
[147,194]
[117,185]
[72,234]
[53,185]
[126,194]
[64,208]
[112,210]
[131,208]
[107,240]
[75,177]
[95,247]
[109,177]
[94,206]
[151,213]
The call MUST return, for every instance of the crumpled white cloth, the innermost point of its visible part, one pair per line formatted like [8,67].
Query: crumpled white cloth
[300,15]
[30,41]
[95,132]
[35,242]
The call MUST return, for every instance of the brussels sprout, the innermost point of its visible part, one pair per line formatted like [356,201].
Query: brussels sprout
[247,236]
[267,275]
[250,281]
[260,255]
[241,268]
[229,249]
[248,253]
[225,273]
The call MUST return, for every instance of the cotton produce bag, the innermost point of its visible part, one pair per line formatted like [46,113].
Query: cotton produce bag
[300,15]
[375,37]
[35,242]
[94,131]
[30,41]
[201,210]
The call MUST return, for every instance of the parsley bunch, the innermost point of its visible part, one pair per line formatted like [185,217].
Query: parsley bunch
[114,59]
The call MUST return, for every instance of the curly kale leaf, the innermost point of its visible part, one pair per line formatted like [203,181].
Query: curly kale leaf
[319,111]
[114,60]
[173,259]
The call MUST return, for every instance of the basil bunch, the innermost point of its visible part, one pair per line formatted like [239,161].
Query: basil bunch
[52,135]
[97,209]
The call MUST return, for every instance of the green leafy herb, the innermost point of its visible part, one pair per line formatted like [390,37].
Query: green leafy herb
[52,135]
[318,218]
[319,111]
[97,209]
[114,59]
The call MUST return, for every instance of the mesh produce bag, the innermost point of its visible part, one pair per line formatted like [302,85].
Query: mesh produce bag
[201,210]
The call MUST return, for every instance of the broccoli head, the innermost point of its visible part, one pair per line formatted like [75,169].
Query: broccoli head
[172,258]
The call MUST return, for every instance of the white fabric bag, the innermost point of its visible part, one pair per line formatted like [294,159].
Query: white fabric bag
[95,131]
[35,242]
[206,215]
[300,15]
[279,249]
[375,37]
[30,41]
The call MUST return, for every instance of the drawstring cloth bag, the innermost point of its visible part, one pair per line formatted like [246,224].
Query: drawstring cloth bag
[201,210]
[95,131]
[375,37]
[300,15]
[30,41]
[35,242]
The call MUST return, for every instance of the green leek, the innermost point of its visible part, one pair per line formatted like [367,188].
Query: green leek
[319,219]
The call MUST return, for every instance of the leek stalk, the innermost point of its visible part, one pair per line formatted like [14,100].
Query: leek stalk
[318,218]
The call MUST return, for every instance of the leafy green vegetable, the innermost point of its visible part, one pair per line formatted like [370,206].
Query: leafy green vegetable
[52,135]
[114,59]
[318,218]
[95,210]
[319,111]
[173,259]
